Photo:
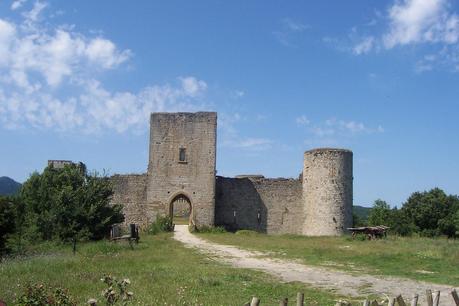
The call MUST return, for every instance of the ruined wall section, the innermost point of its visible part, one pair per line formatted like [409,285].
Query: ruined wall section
[130,191]
[327,191]
[194,177]
[273,206]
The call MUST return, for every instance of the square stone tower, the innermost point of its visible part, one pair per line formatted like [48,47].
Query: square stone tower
[182,165]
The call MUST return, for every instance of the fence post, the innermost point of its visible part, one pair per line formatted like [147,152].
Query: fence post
[255,301]
[437,298]
[400,300]
[284,302]
[429,297]
[414,301]
[455,297]
[300,299]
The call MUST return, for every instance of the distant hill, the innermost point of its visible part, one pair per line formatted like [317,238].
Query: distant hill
[362,212]
[8,186]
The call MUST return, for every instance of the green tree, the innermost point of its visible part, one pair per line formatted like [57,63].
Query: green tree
[380,214]
[69,204]
[432,212]
[7,225]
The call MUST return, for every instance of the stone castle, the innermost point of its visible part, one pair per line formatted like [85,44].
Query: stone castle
[182,177]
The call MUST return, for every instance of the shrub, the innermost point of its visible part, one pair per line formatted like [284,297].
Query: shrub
[162,224]
[40,295]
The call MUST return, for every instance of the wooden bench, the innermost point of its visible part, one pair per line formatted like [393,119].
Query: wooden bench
[133,236]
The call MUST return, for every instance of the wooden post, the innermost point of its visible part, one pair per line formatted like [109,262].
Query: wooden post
[392,302]
[255,301]
[414,301]
[300,299]
[284,302]
[429,297]
[436,298]
[455,296]
[400,300]
[366,303]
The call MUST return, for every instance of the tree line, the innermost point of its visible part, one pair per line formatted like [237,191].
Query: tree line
[66,204]
[430,213]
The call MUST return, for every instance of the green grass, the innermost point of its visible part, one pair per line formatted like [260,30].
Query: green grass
[161,271]
[433,260]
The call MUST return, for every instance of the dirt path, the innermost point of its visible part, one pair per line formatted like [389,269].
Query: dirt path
[288,271]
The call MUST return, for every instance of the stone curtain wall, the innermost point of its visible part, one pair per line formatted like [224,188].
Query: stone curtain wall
[327,191]
[273,206]
[130,191]
[318,203]
[194,177]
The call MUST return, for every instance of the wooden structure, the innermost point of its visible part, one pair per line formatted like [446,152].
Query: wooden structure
[372,232]
[432,300]
[133,236]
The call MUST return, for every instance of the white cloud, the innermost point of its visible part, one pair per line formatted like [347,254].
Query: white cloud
[365,46]
[333,128]
[104,52]
[17,4]
[294,26]
[238,93]
[419,21]
[302,120]
[48,81]
[193,86]
[95,109]
[289,29]
[32,55]
[429,23]
[34,14]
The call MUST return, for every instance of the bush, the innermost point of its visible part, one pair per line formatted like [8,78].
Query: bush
[40,295]
[162,224]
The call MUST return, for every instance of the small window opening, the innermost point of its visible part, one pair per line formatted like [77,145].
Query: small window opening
[182,155]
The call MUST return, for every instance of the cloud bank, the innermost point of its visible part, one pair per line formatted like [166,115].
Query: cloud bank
[47,80]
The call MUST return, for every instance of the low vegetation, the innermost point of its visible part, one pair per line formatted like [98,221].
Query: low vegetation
[161,271]
[419,258]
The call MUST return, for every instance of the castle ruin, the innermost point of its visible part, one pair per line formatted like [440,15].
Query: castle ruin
[181,180]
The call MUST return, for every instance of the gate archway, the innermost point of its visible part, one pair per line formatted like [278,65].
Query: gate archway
[181,209]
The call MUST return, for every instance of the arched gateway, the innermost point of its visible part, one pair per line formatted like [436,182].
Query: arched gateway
[181,209]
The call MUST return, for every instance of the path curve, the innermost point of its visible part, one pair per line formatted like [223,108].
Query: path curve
[288,271]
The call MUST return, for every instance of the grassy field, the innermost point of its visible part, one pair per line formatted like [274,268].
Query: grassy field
[433,260]
[161,271]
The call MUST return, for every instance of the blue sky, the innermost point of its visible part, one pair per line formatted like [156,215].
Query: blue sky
[79,79]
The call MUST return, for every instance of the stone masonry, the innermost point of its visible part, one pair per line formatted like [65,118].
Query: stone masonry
[182,172]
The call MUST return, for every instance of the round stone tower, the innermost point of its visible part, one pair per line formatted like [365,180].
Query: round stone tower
[327,191]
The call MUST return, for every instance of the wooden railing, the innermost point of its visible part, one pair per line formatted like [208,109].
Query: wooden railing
[432,300]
